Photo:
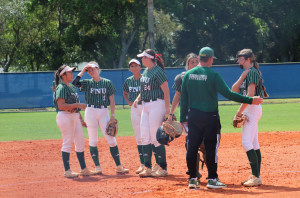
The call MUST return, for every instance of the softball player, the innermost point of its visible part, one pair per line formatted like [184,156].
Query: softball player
[131,90]
[199,107]
[250,84]
[99,94]
[69,120]
[155,98]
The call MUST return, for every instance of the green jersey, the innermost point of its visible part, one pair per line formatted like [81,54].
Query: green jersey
[97,93]
[176,87]
[200,88]
[151,81]
[69,93]
[252,77]
[133,87]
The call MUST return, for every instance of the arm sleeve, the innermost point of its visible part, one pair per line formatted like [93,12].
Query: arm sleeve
[60,93]
[111,90]
[253,77]
[184,101]
[125,87]
[176,87]
[225,91]
[76,82]
[161,77]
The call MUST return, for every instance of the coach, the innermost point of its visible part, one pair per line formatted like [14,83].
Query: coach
[199,110]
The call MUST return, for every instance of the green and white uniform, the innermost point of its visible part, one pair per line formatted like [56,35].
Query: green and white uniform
[96,114]
[253,112]
[69,123]
[153,113]
[133,88]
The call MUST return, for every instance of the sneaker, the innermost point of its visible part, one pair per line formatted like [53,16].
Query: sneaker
[155,167]
[141,168]
[215,183]
[87,172]
[160,173]
[253,181]
[70,174]
[98,170]
[146,172]
[121,170]
[194,183]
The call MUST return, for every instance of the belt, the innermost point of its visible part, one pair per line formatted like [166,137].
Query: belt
[95,106]
[147,100]
[140,102]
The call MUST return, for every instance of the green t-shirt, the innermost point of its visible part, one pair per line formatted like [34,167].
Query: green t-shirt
[66,92]
[97,93]
[151,81]
[200,88]
[252,77]
[133,87]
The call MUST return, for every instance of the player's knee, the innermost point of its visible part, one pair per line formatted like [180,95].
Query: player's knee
[247,146]
[112,142]
[93,143]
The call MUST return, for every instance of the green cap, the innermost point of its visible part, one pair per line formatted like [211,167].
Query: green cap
[207,52]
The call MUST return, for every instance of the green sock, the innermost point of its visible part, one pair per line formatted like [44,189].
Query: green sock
[80,156]
[147,154]
[66,158]
[253,162]
[161,153]
[140,150]
[155,154]
[95,155]
[114,151]
[258,159]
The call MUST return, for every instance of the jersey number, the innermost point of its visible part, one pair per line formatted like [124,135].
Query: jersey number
[146,87]
[245,93]
[103,97]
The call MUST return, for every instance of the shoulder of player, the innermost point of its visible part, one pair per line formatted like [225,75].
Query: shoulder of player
[129,78]
[253,71]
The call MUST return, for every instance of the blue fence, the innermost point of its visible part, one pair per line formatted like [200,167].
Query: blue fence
[33,90]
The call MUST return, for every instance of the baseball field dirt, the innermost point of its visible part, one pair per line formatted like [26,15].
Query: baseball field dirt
[35,169]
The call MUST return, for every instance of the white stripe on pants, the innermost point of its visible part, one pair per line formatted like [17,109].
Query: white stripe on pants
[250,129]
[136,114]
[95,117]
[71,131]
[152,118]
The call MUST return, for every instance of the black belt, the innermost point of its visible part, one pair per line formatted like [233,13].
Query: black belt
[95,106]
[147,100]
[140,102]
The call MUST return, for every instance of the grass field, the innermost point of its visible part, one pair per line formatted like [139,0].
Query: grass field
[42,125]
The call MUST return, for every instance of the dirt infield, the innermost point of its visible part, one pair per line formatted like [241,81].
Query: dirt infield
[35,169]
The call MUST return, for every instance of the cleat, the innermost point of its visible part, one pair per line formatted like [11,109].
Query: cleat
[253,181]
[70,174]
[87,172]
[155,167]
[214,184]
[121,170]
[98,170]
[141,168]
[146,172]
[160,173]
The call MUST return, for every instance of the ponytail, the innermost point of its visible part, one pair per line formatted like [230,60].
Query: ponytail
[57,78]
[157,58]
[255,65]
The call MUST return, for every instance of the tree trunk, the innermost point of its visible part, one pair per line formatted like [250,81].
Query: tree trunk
[151,24]
[125,45]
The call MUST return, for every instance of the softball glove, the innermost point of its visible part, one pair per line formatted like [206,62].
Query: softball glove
[112,128]
[238,121]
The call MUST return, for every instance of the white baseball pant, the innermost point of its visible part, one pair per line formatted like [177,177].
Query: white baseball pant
[250,129]
[152,118]
[71,131]
[95,117]
[136,114]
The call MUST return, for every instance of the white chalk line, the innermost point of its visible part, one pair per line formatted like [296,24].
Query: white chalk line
[108,176]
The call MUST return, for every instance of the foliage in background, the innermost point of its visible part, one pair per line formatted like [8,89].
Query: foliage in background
[39,35]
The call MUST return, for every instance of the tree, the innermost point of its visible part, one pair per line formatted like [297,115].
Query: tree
[151,24]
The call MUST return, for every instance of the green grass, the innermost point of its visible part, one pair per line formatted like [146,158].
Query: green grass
[42,125]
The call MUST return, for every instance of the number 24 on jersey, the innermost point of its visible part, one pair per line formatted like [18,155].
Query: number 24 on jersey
[147,87]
